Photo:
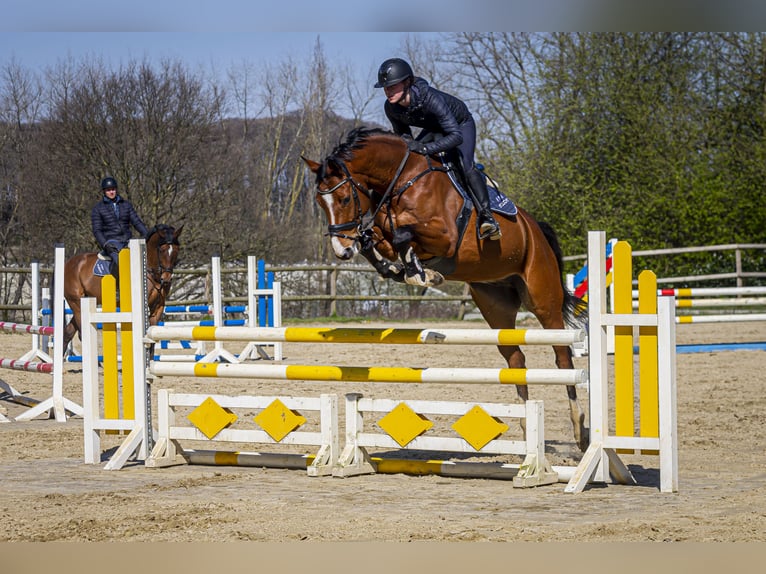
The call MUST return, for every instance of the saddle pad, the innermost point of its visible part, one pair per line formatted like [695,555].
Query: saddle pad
[499,203]
[102,267]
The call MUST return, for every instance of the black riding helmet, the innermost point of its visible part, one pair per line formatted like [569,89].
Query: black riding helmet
[108,182]
[393,71]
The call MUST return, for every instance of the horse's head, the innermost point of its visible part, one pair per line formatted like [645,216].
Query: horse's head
[162,252]
[350,180]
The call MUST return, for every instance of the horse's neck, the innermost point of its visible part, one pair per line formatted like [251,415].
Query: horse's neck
[151,255]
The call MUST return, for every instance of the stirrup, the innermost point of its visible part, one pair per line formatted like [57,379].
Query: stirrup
[489,229]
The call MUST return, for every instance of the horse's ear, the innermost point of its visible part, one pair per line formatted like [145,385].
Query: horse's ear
[313,166]
[178,231]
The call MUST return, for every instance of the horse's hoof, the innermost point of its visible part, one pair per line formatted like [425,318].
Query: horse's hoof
[429,278]
[584,440]
[416,280]
[434,278]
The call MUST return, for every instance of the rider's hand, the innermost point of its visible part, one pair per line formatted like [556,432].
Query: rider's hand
[417,147]
[112,248]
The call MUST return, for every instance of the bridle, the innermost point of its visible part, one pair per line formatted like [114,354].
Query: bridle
[157,274]
[364,222]
[336,229]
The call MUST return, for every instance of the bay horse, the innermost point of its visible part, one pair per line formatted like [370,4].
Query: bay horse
[162,251]
[401,212]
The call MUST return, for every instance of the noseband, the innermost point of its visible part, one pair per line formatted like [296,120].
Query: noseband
[334,230]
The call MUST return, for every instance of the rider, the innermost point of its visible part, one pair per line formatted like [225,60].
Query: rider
[412,102]
[111,219]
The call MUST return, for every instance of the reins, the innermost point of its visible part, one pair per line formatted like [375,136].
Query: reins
[364,222]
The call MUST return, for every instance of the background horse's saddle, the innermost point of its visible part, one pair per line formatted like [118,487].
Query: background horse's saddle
[102,267]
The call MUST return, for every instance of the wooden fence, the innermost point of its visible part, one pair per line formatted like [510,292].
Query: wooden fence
[349,290]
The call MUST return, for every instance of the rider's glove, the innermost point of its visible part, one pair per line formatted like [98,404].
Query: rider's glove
[417,147]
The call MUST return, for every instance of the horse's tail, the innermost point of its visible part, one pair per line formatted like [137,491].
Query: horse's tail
[575,309]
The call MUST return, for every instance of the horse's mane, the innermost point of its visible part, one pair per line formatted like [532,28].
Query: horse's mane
[355,139]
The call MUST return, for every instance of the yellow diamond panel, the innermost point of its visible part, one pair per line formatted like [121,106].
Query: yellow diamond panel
[278,421]
[478,428]
[211,418]
[404,425]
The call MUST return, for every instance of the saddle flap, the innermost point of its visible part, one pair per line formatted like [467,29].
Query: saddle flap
[102,267]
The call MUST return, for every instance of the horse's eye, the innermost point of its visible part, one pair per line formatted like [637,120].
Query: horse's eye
[345,201]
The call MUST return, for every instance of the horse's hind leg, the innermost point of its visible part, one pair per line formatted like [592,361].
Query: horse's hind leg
[69,332]
[72,328]
[544,297]
[499,305]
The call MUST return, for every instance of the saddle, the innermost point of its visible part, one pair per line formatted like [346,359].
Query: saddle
[498,203]
[104,262]
[102,266]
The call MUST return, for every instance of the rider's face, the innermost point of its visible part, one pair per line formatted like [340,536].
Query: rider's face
[398,93]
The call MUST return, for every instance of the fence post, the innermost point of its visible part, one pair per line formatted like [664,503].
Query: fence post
[738,266]
[332,288]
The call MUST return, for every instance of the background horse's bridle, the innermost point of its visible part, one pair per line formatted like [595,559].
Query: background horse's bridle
[156,273]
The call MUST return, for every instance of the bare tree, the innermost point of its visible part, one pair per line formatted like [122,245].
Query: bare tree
[20,108]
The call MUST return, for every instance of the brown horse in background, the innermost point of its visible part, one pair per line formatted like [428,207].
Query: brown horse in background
[399,210]
[162,251]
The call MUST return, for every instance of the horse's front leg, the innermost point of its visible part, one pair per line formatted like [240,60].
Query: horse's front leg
[386,268]
[415,273]
[156,304]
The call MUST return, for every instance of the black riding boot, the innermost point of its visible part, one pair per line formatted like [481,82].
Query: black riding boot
[488,227]
[115,269]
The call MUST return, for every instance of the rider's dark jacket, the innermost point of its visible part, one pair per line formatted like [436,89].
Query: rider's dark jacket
[434,111]
[112,225]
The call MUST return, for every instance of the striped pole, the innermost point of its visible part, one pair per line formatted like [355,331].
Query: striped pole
[31,366]
[720,318]
[19,328]
[371,374]
[709,291]
[372,335]
[447,468]
[709,303]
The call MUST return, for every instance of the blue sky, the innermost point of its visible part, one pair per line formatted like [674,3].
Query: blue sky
[213,52]
[372,16]
[362,50]
[363,33]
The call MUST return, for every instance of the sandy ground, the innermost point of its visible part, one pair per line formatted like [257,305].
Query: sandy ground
[49,494]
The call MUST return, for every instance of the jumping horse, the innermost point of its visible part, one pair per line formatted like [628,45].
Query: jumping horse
[403,212]
[162,251]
